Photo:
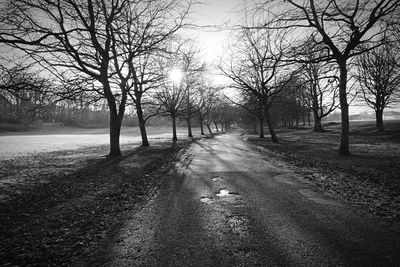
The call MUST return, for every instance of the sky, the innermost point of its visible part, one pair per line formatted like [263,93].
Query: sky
[213,13]
[211,40]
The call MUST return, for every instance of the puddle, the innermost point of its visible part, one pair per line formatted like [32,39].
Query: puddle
[217,179]
[223,193]
[206,199]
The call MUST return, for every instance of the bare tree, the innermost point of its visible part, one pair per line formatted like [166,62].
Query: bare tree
[141,37]
[208,95]
[170,96]
[320,80]
[23,93]
[75,39]
[379,78]
[345,27]
[292,102]
[257,68]
[193,70]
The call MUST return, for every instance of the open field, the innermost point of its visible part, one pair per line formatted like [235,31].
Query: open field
[369,178]
[14,144]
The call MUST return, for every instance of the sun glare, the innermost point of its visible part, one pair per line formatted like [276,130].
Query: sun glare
[175,75]
[212,44]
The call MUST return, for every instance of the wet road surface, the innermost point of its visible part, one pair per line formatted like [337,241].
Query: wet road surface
[232,207]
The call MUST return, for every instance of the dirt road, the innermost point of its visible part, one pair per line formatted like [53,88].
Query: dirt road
[232,207]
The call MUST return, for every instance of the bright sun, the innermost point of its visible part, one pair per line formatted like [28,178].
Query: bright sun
[175,75]
[212,44]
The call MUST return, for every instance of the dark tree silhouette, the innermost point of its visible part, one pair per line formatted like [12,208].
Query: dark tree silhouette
[345,27]
[256,66]
[142,36]
[379,79]
[83,38]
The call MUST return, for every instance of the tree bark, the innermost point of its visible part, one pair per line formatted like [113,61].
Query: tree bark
[174,136]
[115,129]
[142,125]
[216,127]
[189,125]
[315,108]
[189,115]
[272,132]
[209,128]
[379,119]
[344,107]
[115,122]
[201,126]
[261,123]
[318,124]
[261,120]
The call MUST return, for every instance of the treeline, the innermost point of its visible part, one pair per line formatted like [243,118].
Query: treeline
[289,58]
[120,52]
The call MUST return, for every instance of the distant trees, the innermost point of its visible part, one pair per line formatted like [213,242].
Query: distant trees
[378,74]
[170,97]
[256,68]
[320,81]
[292,103]
[193,78]
[346,28]
[22,93]
[208,97]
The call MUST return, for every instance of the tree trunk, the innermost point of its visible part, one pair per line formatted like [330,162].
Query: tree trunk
[189,114]
[272,132]
[209,128]
[142,125]
[174,137]
[201,126]
[318,124]
[317,119]
[261,122]
[115,130]
[115,122]
[189,126]
[344,107]
[216,127]
[379,119]
[309,118]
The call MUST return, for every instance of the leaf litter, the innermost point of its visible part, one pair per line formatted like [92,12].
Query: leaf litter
[369,178]
[62,208]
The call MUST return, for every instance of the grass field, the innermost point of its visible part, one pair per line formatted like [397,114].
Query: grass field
[13,144]
[369,178]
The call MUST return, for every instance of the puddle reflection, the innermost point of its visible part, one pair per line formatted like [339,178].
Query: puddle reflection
[223,193]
